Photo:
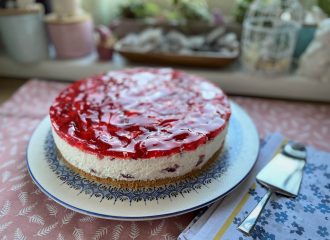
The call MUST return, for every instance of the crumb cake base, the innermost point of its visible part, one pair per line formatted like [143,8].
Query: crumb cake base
[136,184]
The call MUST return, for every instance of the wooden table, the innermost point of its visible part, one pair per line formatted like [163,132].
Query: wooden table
[8,86]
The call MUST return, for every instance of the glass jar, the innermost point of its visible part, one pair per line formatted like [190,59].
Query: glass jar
[269,35]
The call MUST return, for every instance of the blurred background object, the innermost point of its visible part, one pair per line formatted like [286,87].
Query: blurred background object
[47,5]
[270,31]
[196,34]
[67,8]
[102,11]
[105,43]
[192,17]
[314,14]
[70,29]
[217,48]
[22,32]
[240,10]
[315,62]
[325,6]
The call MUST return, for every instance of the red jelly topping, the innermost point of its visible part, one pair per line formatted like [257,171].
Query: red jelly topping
[140,113]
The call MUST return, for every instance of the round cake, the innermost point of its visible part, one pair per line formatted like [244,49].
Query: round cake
[140,127]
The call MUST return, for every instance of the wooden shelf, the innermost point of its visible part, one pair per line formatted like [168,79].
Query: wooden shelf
[233,80]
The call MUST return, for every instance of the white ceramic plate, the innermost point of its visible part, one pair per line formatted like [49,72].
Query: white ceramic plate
[76,193]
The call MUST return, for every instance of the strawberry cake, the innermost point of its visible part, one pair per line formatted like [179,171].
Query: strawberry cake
[140,127]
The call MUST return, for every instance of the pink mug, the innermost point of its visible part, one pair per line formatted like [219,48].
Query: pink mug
[71,39]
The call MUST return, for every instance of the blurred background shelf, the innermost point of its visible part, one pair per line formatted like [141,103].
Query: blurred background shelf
[233,80]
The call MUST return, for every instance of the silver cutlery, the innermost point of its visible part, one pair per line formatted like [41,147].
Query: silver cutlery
[283,175]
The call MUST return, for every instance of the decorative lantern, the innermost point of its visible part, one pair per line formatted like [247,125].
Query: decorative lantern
[269,35]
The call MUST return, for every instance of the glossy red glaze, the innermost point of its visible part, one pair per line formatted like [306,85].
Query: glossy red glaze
[140,113]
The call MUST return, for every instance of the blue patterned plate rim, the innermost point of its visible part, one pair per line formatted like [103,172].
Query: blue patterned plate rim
[242,118]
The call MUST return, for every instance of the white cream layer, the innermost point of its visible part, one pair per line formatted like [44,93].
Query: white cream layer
[139,169]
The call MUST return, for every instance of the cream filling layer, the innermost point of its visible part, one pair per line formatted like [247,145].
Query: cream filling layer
[139,169]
